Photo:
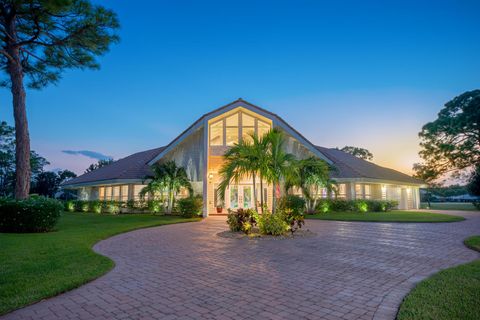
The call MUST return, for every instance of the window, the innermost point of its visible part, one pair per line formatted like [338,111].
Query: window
[116,193]
[216,134]
[358,191]
[124,193]
[262,128]
[136,191]
[232,136]
[342,191]
[368,191]
[226,132]
[108,193]
[101,193]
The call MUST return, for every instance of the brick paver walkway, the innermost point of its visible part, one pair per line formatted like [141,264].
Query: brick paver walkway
[351,270]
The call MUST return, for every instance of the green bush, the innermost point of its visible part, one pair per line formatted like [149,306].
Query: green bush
[81,206]
[272,224]
[69,206]
[31,215]
[242,220]
[477,204]
[190,207]
[111,207]
[95,206]
[359,205]
[155,206]
[292,203]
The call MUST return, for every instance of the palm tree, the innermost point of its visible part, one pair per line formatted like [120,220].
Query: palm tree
[311,175]
[239,162]
[171,178]
[279,163]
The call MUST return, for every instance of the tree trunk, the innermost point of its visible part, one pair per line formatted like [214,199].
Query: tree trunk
[254,192]
[22,150]
[274,198]
[261,192]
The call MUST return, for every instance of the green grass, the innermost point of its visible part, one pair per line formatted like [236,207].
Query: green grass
[448,295]
[41,265]
[391,216]
[449,206]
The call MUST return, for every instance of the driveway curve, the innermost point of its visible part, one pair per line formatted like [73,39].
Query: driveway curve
[350,270]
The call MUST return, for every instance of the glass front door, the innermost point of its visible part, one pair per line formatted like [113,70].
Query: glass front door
[241,196]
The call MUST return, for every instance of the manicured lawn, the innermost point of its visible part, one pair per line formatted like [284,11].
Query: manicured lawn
[450,294]
[391,216]
[449,206]
[36,266]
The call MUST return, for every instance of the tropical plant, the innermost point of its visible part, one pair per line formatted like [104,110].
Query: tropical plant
[40,39]
[168,177]
[279,164]
[242,220]
[294,219]
[239,162]
[311,175]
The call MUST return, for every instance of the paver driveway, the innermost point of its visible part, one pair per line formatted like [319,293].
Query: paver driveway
[351,270]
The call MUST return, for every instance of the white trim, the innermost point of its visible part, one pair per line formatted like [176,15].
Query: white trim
[276,121]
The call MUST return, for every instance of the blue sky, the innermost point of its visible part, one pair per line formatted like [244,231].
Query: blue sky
[364,73]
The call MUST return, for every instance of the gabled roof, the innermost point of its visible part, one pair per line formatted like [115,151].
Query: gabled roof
[133,167]
[240,103]
[351,167]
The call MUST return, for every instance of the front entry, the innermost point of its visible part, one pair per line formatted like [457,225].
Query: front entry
[240,196]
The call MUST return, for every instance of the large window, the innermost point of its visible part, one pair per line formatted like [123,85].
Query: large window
[342,191]
[216,134]
[228,131]
[117,193]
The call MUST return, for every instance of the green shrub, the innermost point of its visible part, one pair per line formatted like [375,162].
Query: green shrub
[37,214]
[81,206]
[361,206]
[111,207]
[292,203]
[154,206]
[323,205]
[342,205]
[272,224]
[242,220]
[69,206]
[190,207]
[95,206]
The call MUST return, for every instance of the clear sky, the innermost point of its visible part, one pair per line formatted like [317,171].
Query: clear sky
[362,73]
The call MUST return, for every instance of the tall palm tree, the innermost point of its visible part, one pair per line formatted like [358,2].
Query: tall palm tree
[171,178]
[239,162]
[279,163]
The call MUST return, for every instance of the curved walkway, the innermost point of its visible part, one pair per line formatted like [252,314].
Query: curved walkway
[351,270]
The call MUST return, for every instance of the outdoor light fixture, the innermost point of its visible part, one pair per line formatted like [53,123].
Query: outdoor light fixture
[210,176]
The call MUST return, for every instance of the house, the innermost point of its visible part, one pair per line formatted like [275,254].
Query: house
[200,148]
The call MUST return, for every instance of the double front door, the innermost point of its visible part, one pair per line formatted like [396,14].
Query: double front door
[240,196]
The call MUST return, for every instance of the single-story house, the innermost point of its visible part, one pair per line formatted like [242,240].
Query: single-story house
[200,148]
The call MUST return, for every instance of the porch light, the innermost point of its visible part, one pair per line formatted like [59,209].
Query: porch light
[210,176]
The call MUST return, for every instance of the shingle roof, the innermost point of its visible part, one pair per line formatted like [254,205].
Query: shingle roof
[132,167]
[349,166]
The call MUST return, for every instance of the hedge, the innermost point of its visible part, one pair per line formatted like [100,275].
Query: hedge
[36,214]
